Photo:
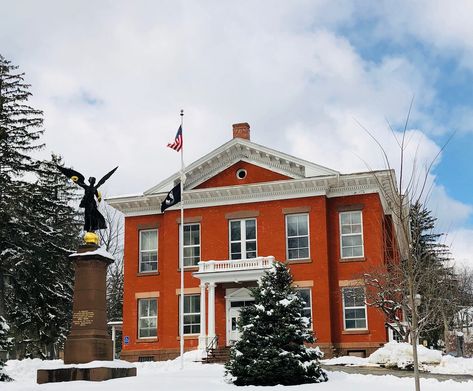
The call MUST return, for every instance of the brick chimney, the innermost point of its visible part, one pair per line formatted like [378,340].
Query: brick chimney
[241,130]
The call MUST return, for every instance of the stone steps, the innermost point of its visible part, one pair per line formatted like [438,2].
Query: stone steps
[217,355]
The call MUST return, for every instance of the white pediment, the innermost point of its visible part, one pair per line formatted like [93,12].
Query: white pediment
[242,150]
[240,293]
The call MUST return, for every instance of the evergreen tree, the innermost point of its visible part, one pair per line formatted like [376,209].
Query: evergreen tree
[20,129]
[41,295]
[5,345]
[272,347]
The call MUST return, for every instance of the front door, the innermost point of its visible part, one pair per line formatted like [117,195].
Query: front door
[234,332]
[233,313]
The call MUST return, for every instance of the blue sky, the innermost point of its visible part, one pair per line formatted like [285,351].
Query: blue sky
[452,82]
[113,75]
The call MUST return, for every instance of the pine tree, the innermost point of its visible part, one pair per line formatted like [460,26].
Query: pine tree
[272,347]
[20,129]
[5,345]
[41,294]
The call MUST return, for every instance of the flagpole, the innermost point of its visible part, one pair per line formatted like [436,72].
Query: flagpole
[181,251]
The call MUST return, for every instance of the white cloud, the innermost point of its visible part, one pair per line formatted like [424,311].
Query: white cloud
[451,214]
[461,245]
[441,25]
[112,77]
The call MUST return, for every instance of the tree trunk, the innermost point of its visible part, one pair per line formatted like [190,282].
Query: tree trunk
[414,335]
[445,330]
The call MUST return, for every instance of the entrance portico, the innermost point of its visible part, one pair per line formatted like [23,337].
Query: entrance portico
[212,273]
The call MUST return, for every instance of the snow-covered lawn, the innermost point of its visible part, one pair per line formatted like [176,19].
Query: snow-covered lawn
[197,377]
[399,355]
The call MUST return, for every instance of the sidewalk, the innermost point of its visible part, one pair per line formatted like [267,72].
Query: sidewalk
[395,372]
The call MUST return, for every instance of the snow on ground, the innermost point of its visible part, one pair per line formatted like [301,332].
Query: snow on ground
[195,376]
[453,365]
[349,361]
[399,355]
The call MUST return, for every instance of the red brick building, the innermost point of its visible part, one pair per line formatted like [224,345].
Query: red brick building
[247,205]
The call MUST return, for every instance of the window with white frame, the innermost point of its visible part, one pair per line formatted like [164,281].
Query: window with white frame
[147,318]
[351,234]
[354,308]
[243,239]
[191,314]
[306,295]
[148,250]
[297,236]
[191,244]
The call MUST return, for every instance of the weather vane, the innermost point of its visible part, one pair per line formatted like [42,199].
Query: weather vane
[93,219]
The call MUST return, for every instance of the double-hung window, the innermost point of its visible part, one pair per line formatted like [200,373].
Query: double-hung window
[148,250]
[243,239]
[191,314]
[306,295]
[147,318]
[351,234]
[354,308]
[297,236]
[191,244]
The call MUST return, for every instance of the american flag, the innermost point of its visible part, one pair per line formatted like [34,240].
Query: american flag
[177,144]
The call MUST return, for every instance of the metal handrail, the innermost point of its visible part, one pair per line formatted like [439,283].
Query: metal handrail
[210,346]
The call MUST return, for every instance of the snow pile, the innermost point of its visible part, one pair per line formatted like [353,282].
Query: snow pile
[399,354]
[453,365]
[396,355]
[349,361]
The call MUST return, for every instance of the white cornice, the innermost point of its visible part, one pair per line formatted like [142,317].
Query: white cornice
[330,186]
[239,149]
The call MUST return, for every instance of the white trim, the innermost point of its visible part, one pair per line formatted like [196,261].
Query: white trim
[242,170]
[241,294]
[190,246]
[356,234]
[311,306]
[356,307]
[148,251]
[287,236]
[242,150]
[147,317]
[329,186]
[242,235]
[191,313]
[233,270]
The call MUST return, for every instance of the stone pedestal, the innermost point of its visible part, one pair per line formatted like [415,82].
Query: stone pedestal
[89,339]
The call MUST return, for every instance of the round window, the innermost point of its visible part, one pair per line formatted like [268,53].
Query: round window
[241,173]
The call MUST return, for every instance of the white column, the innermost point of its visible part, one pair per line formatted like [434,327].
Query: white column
[203,331]
[211,332]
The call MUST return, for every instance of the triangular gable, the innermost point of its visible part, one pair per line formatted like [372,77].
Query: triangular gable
[240,293]
[242,173]
[241,150]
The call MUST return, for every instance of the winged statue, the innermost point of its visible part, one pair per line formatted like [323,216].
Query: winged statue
[93,219]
